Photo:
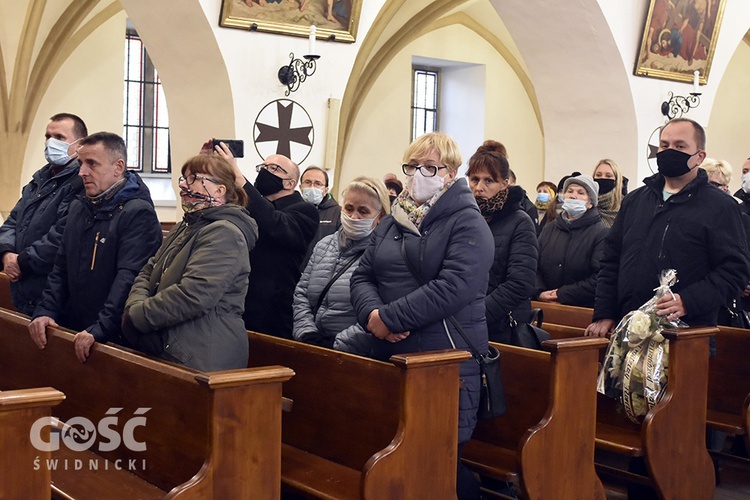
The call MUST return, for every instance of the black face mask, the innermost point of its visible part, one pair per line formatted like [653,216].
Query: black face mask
[605,185]
[392,198]
[267,184]
[673,163]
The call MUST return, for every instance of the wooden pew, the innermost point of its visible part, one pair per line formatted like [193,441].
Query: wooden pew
[5,300]
[672,437]
[729,383]
[544,444]
[560,314]
[728,371]
[207,435]
[18,412]
[366,429]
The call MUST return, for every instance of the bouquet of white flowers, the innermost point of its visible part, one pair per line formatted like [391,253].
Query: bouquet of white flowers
[636,364]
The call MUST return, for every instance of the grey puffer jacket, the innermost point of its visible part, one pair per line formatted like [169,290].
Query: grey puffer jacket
[335,323]
[192,292]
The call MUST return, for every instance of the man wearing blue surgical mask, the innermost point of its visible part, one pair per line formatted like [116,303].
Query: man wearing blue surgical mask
[676,221]
[314,189]
[31,235]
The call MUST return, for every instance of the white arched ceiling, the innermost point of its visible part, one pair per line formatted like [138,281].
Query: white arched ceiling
[192,71]
[580,81]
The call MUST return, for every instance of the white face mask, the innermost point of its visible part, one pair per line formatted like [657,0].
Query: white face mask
[56,151]
[423,188]
[573,207]
[746,182]
[312,195]
[356,229]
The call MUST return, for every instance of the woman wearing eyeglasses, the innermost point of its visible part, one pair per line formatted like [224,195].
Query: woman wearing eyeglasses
[187,302]
[427,262]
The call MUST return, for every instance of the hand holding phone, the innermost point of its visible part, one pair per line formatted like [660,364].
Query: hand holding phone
[236,146]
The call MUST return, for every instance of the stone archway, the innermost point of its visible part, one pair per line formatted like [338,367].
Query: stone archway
[577,71]
[199,96]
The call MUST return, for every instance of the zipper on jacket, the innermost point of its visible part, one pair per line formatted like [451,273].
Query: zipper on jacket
[96,244]
[663,238]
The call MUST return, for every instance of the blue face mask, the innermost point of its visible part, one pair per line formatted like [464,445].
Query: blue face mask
[574,208]
[56,151]
[542,197]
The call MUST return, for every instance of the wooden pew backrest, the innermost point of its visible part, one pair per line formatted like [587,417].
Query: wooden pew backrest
[548,430]
[19,411]
[5,300]
[375,419]
[180,430]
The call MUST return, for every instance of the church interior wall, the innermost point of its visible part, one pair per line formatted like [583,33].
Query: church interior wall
[580,101]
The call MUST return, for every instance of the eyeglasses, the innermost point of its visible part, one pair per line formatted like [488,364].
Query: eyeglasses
[426,170]
[309,183]
[719,185]
[271,167]
[190,179]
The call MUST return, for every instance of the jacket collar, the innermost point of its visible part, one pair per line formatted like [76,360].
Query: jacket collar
[287,201]
[655,184]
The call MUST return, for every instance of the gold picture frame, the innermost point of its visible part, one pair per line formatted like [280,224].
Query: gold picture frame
[335,20]
[679,38]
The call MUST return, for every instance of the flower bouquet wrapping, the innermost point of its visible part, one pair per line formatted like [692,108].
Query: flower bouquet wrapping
[635,366]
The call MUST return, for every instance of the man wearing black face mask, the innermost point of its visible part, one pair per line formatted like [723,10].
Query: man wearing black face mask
[676,221]
[286,226]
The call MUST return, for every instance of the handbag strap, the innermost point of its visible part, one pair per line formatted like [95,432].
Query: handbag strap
[537,316]
[332,281]
[474,351]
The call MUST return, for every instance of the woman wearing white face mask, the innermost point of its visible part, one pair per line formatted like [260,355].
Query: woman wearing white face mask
[426,270]
[323,312]
[571,247]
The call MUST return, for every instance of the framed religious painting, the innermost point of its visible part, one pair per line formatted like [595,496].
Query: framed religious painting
[334,19]
[679,38]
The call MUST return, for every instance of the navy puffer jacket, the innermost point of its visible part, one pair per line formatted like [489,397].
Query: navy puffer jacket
[514,268]
[34,230]
[569,255]
[453,252]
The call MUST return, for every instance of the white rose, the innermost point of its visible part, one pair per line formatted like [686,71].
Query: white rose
[639,327]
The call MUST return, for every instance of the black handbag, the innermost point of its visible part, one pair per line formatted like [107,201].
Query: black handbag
[491,393]
[528,335]
[737,318]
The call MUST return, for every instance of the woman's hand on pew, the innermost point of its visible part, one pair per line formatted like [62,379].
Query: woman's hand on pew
[38,330]
[82,343]
[601,328]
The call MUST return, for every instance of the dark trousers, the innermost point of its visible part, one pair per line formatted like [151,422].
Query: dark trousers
[467,486]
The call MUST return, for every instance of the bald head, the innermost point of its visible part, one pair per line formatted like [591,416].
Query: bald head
[289,174]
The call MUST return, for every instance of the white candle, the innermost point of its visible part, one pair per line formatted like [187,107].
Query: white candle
[311,40]
[696,74]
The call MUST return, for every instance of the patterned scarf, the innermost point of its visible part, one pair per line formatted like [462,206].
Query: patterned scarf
[491,206]
[107,194]
[417,213]
[605,209]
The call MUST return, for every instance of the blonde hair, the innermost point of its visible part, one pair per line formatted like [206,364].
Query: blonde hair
[617,191]
[721,167]
[374,188]
[442,144]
